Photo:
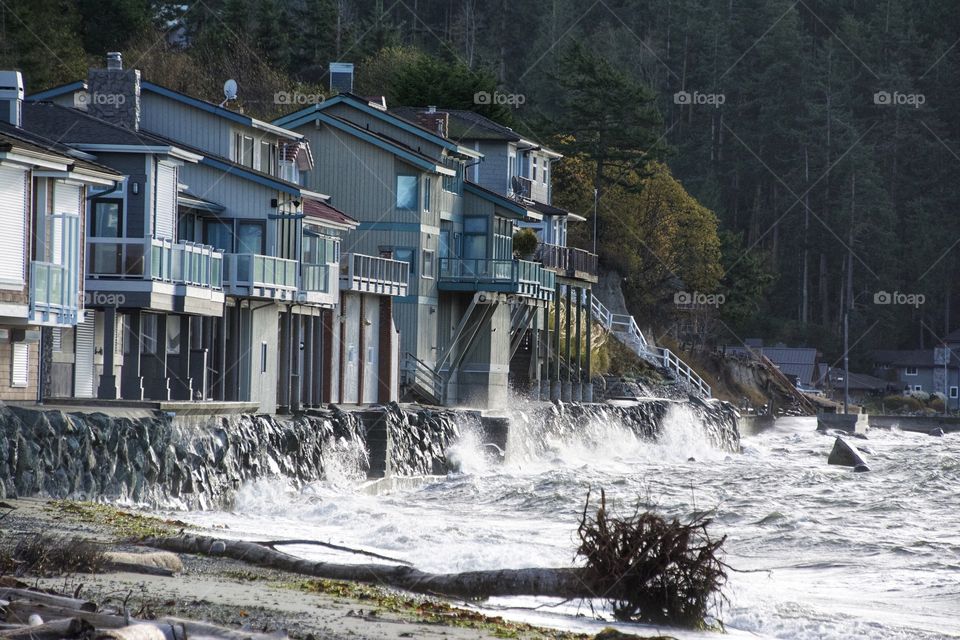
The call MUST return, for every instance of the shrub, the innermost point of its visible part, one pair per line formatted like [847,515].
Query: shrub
[525,242]
[902,403]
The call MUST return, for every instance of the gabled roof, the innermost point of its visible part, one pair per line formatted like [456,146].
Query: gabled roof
[327,214]
[858,381]
[12,138]
[466,125]
[309,113]
[519,210]
[209,107]
[79,129]
[910,358]
[386,143]
[550,210]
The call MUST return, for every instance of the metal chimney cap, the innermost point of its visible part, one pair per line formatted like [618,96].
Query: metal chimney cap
[432,108]
[11,82]
[114,60]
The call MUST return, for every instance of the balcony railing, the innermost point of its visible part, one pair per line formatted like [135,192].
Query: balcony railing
[52,298]
[186,263]
[568,259]
[520,187]
[516,276]
[255,270]
[370,274]
[315,278]
[155,259]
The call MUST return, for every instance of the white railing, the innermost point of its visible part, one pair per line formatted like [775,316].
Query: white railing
[371,274]
[186,263]
[315,278]
[52,291]
[255,270]
[625,329]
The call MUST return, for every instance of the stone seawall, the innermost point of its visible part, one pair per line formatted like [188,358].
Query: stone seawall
[200,462]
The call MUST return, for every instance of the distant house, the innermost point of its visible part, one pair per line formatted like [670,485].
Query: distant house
[862,386]
[934,370]
[798,364]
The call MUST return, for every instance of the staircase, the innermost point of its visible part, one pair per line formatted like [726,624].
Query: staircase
[420,380]
[625,329]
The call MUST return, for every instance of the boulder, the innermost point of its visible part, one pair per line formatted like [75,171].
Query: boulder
[845,455]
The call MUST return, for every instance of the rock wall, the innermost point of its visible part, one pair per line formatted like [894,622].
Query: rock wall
[200,462]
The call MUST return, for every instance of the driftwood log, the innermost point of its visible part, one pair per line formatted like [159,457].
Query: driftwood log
[559,583]
[67,628]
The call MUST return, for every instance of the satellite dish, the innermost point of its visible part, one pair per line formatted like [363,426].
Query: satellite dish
[229,91]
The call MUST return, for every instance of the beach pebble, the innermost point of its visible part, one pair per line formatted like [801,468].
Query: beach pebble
[218,546]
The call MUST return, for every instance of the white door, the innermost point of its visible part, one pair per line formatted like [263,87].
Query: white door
[13,187]
[83,369]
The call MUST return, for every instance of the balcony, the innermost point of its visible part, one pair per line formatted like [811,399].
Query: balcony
[521,187]
[252,275]
[570,262]
[521,277]
[54,295]
[369,274]
[318,285]
[155,274]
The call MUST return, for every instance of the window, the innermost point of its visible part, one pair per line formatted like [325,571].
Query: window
[219,234]
[918,387]
[148,333]
[954,392]
[320,249]
[407,193]
[543,174]
[533,169]
[268,157]
[243,149]
[911,371]
[173,335]
[106,219]
[405,255]
[474,237]
[263,357]
[250,237]
[19,364]
[427,186]
[428,264]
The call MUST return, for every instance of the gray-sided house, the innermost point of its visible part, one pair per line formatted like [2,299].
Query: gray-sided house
[472,303]
[935,370]
[43,189]
[243,229]
[521,170]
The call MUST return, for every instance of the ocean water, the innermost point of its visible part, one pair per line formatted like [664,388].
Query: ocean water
[818,551]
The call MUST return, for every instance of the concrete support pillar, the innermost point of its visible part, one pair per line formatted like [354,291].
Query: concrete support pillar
[565,394]
[362,355]
[534,368]
[306,382]
[296,360]
[327,367]
[156,382]
[389,370]
[341,327]
[319,375]
[131,381]
[555,380]
[220,380]
[107,389]
[181,385]
[587,371]
[578,383]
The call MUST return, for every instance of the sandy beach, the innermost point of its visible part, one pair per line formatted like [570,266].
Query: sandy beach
[238,595]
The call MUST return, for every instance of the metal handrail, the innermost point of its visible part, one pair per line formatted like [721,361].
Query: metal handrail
[185,262]
[375,274]
[256,270]
[416,371]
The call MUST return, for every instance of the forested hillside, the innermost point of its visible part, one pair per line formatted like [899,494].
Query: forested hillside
[823,135]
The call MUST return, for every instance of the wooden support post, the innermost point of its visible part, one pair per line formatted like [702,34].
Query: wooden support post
[565,394]
[555,382]
[588,380]
[578,389]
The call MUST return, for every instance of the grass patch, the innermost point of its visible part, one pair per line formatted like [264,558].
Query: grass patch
[427,610]
[123,524]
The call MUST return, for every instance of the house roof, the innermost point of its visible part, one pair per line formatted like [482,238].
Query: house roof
[857,381]
[550,210]
[911,358]
[310,112]
[327,213]
[798,362]
[26,139]
[463,124]
[518,209]
[78,128]
[210,107]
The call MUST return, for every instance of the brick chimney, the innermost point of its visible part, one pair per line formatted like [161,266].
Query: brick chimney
[113,94]
[436,121]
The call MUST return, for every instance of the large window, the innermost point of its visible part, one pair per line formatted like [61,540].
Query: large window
[268,157]
[405,255]
[475,237]
[427,187]
[911,371]
[243,149]
[250,237]
[407,193]
[320,249]
[106,218]
[219,234]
